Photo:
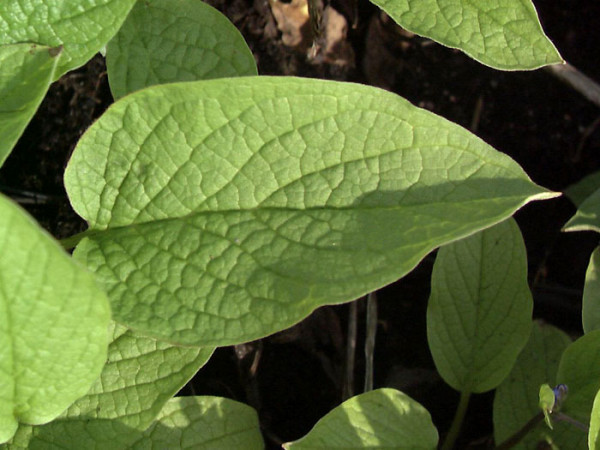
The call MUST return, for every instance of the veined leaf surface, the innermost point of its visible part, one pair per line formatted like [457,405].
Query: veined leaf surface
[82,27]
[383,418]
[516,400]
[224,210]
[139,377]
[503,34]
[203,423]
[53,322]
[26,71]
[164,41]
[479,311]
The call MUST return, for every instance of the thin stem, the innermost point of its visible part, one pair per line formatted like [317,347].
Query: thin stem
[72,241]
[370,340]
[519,435]
[576,423]
[577,80]
[457,422]
[350,350]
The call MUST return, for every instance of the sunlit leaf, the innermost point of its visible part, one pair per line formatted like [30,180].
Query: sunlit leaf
[163,41]
[224,210]
[26,71]
[384,418]
[81,27]
[140,376]
[203,423]
[504,34]
[53,322]
[479,312]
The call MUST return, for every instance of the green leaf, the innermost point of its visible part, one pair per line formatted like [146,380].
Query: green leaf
[74,434]
[383,418]
[81,27]
[53,321]
[163,41]
[591,294]
[580,370]
[203,422]
[479,311]
[140,376]
[546,403]
[26,71]
[581,190]
[516,398]
[503,34]
[224,210]
[587,217]
[594,434]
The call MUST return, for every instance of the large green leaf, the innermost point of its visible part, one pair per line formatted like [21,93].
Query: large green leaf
[384,418]
[183,422]
[53,321]
[203,423]
[479,311]
[164,41]
[580,370]
[594,434]
[503,34]
[516,399]
[26,71]
[224,210]
[591,294]
[140,376]
[82,27]
[587,217]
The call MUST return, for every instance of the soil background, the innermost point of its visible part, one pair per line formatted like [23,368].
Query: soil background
[295,377]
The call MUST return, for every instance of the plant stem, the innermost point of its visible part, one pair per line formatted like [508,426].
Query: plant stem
[72,241]
[516,438]
[576,423]
[558,416]
[348,390]
[457,422]
[577,80]
[370,340]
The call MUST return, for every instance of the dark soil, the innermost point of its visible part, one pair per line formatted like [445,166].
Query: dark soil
[294,377]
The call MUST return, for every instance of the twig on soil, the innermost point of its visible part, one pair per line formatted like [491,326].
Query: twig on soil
[24,197]
[477,114]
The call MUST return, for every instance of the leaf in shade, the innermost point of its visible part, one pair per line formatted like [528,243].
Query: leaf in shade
[479,311]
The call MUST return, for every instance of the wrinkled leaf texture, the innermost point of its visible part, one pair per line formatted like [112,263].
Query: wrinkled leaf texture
[224,210]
